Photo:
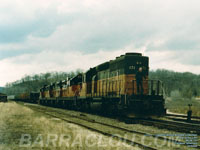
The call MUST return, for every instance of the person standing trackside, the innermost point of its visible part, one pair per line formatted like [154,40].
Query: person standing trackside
[139,80]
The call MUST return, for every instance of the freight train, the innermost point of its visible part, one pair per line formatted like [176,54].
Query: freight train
[113,85]
[30,97]
[3,97]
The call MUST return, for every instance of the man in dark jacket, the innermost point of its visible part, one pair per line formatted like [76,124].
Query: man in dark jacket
[139,79]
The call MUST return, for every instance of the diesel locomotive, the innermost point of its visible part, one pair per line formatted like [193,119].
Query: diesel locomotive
[113,85]
[3,97]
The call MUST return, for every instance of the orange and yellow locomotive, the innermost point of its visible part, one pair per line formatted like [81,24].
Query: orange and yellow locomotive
[120,84]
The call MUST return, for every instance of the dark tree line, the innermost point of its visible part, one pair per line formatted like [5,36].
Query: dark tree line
[33,83]
[186,84]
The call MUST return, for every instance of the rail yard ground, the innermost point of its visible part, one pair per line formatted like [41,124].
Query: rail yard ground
[24,128]
[180,105]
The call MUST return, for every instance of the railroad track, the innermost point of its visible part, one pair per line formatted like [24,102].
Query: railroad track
[62,116]
[182,116]
[170,125]
[130,142]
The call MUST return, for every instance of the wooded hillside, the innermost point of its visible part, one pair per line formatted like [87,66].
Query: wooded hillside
[175,83]
[33,83]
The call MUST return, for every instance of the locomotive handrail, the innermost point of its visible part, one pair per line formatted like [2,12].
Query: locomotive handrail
[158,87]
[155,87]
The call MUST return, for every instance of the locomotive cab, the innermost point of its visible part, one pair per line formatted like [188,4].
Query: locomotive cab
[147,98]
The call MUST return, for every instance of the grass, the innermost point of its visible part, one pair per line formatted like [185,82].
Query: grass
[18,120]
[180,105]
[22,128]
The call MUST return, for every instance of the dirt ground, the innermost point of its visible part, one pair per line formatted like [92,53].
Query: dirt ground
[22,129]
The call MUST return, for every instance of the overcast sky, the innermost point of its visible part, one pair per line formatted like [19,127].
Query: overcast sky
[37,36]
